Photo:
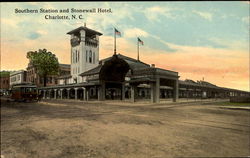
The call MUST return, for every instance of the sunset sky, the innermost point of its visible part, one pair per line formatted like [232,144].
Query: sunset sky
[196,39]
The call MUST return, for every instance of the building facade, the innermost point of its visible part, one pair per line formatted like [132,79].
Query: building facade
[35,78]
[4,82]
[84,51]
[18,77]
[123,78]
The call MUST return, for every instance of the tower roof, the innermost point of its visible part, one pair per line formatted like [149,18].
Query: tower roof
[84,28]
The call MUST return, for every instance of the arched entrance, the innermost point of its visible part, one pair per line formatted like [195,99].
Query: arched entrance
[112,77]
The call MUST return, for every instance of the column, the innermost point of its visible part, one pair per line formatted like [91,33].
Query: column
[76,93]
[55,93]
[152,91]
[101,92]
[68,90]
[123,91]
[44,94]
[83,95]
[61,93]
[176,91]
[157,90]
[133,93]
[87,94]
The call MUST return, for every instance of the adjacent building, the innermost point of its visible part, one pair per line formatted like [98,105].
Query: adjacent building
[18,77]
[35,78]
[4,82]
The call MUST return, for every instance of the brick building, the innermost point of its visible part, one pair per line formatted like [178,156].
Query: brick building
[4,81]
[33,77]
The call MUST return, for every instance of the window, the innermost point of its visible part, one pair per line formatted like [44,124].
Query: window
[90,57]
[93,57]
[86,56]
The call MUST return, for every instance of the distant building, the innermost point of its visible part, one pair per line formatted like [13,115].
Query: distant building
[4,81]
[34,77]
[18,77]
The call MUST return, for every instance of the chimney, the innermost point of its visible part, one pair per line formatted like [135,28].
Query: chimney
[153,65]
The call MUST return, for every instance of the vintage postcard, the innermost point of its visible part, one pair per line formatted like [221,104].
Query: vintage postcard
[125,79]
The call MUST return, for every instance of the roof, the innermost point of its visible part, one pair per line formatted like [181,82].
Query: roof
[64,65]
[84,28]
[4,74]
[133,63]
[17,72]
[197,84]
[65,76]
[93,71]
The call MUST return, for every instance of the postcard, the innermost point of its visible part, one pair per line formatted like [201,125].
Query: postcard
[125,79]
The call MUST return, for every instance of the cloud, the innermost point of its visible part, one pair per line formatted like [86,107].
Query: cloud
[135,32]
[245,19]
[204,15]
[33,35]
[156,12]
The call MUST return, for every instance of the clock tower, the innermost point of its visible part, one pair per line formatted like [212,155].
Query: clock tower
[84,51]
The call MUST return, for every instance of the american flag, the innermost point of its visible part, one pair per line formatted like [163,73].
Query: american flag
[117,32]
[140,41]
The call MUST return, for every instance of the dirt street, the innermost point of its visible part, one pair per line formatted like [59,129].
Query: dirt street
[76,129]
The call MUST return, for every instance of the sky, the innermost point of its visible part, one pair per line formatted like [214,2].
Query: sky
[199,40]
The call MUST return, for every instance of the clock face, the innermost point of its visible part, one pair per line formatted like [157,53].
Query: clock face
[75,41]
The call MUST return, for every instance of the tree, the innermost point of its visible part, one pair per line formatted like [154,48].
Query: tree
[45,63]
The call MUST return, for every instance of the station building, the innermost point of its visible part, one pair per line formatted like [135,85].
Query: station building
[123,78]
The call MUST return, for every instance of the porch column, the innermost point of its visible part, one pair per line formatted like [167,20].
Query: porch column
[157,90]
[55,93]
[152,91]
[101,92]
[44,94]
[68,90]
[76,93]
[133,92]
[176,91]
[123,91]
[61,93]
[83,91]
[87,94]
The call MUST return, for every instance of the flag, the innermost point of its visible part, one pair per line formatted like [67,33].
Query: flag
[140,41]
[117,32]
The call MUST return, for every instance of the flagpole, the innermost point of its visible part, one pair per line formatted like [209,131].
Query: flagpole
[114,42]
[137,49]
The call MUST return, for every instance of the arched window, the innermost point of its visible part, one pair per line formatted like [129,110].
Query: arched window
[90,56]
[86,56]
[93,57]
